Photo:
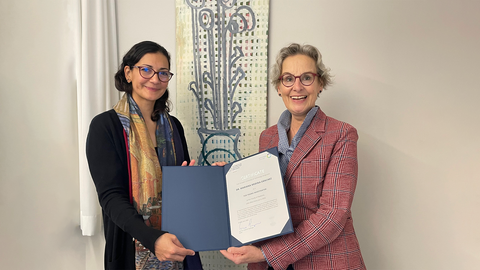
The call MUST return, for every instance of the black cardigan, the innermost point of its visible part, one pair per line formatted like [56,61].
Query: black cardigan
[107,159]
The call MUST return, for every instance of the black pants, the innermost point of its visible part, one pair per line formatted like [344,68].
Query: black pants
[290,267]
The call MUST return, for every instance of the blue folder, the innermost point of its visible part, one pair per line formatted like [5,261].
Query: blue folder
[195,207]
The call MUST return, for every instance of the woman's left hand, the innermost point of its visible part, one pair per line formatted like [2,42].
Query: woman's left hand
[245,254]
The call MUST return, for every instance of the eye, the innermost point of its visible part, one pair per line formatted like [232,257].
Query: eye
[164,73]
[146,69]
[288,78]
[307,77]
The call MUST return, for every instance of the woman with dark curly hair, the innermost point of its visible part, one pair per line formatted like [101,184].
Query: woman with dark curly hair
[126,147]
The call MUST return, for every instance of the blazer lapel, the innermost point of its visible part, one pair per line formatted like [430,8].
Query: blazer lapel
[310,138]
[270,140]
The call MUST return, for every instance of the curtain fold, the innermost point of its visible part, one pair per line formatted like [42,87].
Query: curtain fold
[96,63]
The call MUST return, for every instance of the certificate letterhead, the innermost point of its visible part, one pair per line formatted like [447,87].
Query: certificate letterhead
[213,208]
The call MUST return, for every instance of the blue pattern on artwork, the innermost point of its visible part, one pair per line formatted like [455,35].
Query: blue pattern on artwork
[215,84]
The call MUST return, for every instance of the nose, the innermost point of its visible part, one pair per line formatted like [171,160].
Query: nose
[297,84]
[155,78]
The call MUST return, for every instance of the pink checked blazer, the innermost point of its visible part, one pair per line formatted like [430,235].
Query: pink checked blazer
[320,182]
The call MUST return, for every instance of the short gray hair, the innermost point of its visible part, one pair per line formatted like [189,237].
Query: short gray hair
[308,50]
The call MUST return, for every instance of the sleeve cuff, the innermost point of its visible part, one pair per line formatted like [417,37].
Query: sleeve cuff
[265,257]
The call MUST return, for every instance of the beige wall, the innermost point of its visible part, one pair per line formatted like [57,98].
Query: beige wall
[39,203]
[405,76]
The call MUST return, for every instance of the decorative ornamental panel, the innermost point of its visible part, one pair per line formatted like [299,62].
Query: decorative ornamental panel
[222,69]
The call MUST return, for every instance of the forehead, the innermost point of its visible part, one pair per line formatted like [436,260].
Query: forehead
[155,60]
[298,64]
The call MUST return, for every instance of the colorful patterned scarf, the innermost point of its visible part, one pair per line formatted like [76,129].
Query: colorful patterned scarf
[145,169]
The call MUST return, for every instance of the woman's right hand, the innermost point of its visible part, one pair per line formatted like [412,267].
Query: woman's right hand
[192,162]
[169,248]
[219,163]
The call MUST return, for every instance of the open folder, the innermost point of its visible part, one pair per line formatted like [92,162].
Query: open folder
[213,208]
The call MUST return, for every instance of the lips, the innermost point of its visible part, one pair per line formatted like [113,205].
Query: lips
[152,88]
[298,97]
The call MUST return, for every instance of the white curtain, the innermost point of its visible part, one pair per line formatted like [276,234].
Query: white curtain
[96,64]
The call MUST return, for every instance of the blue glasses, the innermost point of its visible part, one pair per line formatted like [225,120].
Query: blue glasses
[148,72]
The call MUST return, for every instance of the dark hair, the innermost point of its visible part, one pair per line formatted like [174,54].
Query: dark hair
[130,59]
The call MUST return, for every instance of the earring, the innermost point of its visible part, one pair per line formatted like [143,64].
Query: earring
[279,94]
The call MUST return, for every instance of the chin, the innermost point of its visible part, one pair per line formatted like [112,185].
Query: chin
[156,96]
[300,112]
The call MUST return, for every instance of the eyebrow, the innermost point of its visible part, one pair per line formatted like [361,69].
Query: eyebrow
[297,75]
[153,68]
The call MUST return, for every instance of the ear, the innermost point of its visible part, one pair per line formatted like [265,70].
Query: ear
[128,73]
[278,91]
[320,90]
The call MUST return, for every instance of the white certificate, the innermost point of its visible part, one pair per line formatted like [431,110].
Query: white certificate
[256,198]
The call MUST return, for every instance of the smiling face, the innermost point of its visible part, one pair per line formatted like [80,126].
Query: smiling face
[298,98]
[146,91]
